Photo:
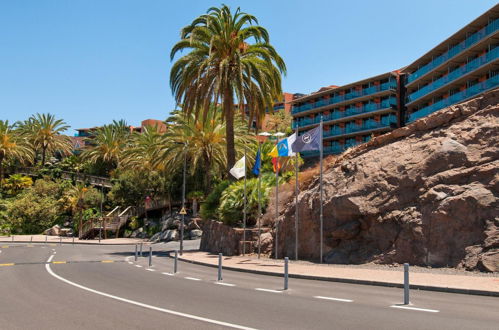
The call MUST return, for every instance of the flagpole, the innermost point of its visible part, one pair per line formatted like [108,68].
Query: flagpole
[276,200]
[296,201]
[259,202]
[244,209]
[321,191]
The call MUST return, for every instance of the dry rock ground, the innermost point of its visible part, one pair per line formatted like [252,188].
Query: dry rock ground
[426,194]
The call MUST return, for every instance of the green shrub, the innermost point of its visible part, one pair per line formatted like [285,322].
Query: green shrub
[212,201]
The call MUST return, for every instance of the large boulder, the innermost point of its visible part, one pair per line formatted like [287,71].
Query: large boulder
[426,194]
[195,234]
[53,231]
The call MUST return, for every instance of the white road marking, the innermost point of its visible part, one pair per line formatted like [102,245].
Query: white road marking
[268,290]
[151,270]
[136,303]
[192,278]
[54,252]
[416,309]
[131,263]
[169,274]
[331,298]
[225,284]
[139,266]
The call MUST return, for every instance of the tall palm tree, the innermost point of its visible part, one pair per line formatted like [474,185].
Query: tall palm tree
[230,60]
[143,149]
[45,133]
[13,146]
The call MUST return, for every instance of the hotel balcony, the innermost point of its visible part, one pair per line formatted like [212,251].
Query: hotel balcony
[488,58]
[456,98]
[350,113]
[363,93]
[470,41]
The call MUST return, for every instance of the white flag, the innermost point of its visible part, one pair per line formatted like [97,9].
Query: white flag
[239,169]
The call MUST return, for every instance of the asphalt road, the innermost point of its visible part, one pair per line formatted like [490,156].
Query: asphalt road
[101,287]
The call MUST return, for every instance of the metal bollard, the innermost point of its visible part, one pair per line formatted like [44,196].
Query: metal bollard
[73,241]
[141,249]
[150,256]
[175,262]
[60,240]
[286,261]
[136,252]
[12,238]
[31,240]
[406,284]
[45,239]
[219,266]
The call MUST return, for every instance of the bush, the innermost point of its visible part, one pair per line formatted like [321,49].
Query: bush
[211,203]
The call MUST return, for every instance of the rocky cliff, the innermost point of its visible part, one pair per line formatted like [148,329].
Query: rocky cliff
[426,194]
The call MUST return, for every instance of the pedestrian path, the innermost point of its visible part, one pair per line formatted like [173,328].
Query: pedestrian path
[469,283]
[66,240]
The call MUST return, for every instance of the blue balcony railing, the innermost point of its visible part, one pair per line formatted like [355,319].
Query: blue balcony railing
[347,113]
[392,84]
[367,125]
[459,72]
[455,98]
[466,43]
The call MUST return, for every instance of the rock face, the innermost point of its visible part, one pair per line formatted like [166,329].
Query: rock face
[426,194]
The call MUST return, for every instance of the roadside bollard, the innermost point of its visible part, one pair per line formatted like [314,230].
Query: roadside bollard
[150,256]
[141,249]
[60,240]
[406,284]
[136,252]
[31,240]
[286,261]
[12,238]
[219,266]
[73,241]
[175,262]
[45,239]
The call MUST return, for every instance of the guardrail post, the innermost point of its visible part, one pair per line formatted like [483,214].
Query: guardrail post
[141,249]
[286,261]
[406,284]
[220,266]
[175,261]
[136,252]
[150,256]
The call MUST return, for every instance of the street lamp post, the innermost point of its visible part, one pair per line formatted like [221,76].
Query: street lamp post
[183,203]
[277,135]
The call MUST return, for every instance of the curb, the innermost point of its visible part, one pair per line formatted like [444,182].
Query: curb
[64,243]
[353,281]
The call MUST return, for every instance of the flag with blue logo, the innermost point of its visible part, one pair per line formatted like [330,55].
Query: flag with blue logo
[308,141]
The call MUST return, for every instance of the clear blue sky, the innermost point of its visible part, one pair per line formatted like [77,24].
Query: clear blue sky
[92,61]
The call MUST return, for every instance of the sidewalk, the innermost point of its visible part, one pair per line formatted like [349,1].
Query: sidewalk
[433,281]
[68,240]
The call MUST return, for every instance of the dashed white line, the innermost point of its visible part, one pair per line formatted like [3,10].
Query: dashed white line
[332,298]
[169,274]
[138,266]
[268,290]
[225,284]
[192,278]
[416,309]
[131,263]
[136,303]
[151,270]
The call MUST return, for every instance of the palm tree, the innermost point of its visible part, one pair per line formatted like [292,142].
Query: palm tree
[143,150]
[230,60]
[203,143]
[107,146]
[12,146]
[45,133]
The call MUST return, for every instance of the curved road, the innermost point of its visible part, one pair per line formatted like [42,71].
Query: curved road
[101,287]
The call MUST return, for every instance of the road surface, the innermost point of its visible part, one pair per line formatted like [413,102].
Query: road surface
[101,287]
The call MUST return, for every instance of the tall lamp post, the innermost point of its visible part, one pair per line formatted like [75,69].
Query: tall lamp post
[183,202]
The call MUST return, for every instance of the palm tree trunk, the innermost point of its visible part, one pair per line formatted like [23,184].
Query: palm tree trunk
[229,129]
[44,151]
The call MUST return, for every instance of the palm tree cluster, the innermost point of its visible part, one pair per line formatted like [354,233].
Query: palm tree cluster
[32,140]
